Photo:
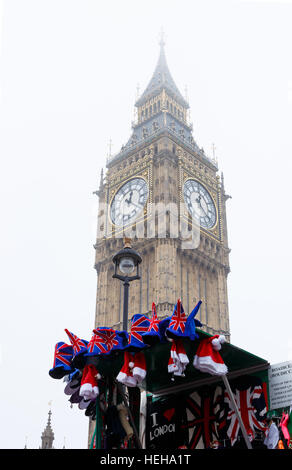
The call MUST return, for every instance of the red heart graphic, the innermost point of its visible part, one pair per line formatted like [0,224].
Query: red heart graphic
[169,413]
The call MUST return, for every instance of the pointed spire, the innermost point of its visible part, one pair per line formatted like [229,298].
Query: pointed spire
[162,42]
[161,78]
[101,179]
[101,184]
[48,435]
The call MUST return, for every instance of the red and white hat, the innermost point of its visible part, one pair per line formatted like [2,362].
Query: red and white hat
[133,371]
[89,386]
[207,358]
[178,358]
[139,369]
[125,376]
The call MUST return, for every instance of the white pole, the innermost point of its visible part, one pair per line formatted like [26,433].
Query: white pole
[226,383]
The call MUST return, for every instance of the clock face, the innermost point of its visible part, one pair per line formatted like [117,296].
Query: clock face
[129,201]
[200,204]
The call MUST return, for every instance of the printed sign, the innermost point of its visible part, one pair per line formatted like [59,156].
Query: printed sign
[280,385]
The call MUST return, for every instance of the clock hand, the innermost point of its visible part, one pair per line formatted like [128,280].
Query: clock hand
[134,204]
[130,199]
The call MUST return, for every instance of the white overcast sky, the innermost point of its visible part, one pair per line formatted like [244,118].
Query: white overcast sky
[69,71]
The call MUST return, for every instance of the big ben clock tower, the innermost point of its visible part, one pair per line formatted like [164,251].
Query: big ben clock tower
[161,166]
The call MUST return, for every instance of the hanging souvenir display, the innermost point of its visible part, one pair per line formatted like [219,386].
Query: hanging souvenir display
[196,421]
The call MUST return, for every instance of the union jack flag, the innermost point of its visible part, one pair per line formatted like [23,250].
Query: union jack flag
[252,407]
[63,354]
[108,335]
[140,324]
[154,320]
[77,343]
[95,346]
[178,319]
[203,419]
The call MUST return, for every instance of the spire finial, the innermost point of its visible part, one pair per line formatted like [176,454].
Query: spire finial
[186,94]
[213,148]
[161,38]
[137,91]
[50,413]
[110,148]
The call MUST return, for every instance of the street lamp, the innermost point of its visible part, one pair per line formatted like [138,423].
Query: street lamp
[126,261]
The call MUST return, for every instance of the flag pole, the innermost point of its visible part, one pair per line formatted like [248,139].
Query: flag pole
[236,410]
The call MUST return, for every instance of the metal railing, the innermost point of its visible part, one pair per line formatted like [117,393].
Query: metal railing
[130,147]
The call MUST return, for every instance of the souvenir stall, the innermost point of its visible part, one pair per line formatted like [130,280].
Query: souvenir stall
[164,385]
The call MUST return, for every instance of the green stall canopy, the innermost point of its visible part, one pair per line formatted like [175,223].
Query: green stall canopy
[159,381]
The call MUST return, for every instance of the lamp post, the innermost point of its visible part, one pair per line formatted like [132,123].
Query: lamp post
[126,261]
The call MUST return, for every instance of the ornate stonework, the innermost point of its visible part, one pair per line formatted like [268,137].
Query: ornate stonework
[163,152]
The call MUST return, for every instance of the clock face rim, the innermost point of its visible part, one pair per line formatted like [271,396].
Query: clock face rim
[136,216]
[212,200]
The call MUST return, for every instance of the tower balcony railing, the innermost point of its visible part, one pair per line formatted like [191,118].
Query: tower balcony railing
[128,148]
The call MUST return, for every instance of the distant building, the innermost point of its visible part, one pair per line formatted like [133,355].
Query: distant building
[48,435]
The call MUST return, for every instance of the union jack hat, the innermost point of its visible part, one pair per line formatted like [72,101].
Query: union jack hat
[112,340]
[96,346]
[139,325]
[181,326]
[62,361]
[192,322]
[156,330]
[79,348]
[177,323]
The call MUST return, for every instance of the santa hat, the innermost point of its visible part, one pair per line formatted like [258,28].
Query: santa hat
[156,329]
[178,358]
[125,376]
[62,361]
[139,325]
[89,386]
[112,340]
[207,357]
[79,348]
[139,369]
